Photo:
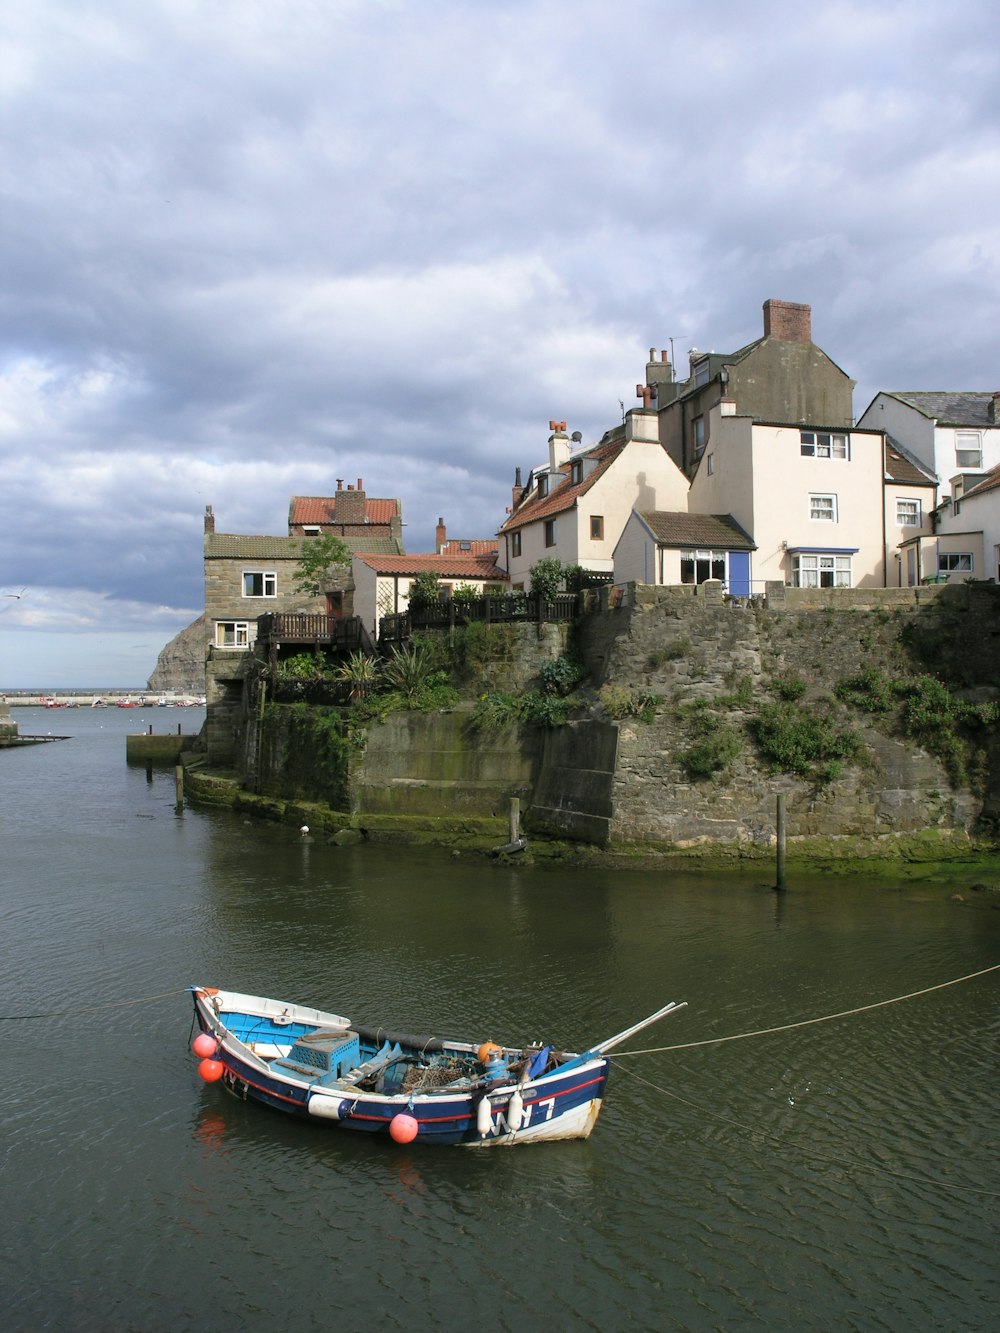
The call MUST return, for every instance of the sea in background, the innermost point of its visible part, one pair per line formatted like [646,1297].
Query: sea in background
[841,1175]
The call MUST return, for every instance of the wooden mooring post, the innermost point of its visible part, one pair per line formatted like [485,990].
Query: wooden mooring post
[179,787]
[780,849]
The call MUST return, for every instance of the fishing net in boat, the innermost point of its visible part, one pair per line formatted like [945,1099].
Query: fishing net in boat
[418,1079]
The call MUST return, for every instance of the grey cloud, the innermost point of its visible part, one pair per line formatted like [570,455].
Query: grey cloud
[253,248]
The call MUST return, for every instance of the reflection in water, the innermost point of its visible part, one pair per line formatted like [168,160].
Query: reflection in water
[834,1176]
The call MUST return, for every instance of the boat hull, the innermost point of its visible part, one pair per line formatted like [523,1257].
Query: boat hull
[561,1104]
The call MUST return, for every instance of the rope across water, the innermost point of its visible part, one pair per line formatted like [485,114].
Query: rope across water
[807,1022]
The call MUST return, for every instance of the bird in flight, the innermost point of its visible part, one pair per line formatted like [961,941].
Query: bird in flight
[18,595]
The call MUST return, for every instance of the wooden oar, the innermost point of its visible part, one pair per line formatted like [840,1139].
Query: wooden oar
[636,1027]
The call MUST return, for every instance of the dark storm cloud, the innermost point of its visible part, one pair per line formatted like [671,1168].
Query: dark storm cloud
[254,247]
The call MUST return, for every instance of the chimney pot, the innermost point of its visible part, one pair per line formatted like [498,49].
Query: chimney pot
[340,483]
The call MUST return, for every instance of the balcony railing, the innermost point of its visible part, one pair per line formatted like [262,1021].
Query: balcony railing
[343,634]
[511,607]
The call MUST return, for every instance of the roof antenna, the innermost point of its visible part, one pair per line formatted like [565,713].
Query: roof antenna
[622,406]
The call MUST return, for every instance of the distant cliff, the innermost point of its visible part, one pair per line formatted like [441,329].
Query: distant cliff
[180,667]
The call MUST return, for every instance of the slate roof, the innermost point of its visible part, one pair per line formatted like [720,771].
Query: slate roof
[950,409]
[236,546]
[445,566]
[903,468]
[323,509]
[564,495]
[990,482]
[707,531]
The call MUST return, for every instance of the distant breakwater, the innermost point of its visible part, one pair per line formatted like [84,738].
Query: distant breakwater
[97,699]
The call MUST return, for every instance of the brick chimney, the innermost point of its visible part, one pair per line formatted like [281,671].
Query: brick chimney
[209,521]
[787,321]
[350,505]
[517,492]
[991,410]
[440,536]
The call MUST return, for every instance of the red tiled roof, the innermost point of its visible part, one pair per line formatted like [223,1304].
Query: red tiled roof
[445,566]
[565,495]
[459,546]
[320,509]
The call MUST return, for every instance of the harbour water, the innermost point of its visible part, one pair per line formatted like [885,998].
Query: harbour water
[841,1175]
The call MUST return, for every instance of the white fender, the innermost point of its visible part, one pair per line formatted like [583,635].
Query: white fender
[484,1117]
[515,1111]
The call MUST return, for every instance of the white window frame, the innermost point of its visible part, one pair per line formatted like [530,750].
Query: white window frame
[968,442]
[710,464]
[825,444]
[820,501]
[236,631]
[549,532]
[515,543]
[951,562]
[820,569]
[709,558]
[268,582]
[909,512]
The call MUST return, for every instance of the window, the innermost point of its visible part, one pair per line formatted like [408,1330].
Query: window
[515,542]
[710,464]
[821,571]
[550,532]
[697,566]
[951,561]
[597,527]
[823,444]
[310,530]
[576,472]
[543,484]
[702,372]
[968,448]
[256,584]
[698,430]
[908,513]
[823,508]
[231,633]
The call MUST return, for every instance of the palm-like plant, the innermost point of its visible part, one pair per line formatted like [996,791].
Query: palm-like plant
[408,670]
[361,673]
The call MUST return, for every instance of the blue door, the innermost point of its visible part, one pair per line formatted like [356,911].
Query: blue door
[739,573]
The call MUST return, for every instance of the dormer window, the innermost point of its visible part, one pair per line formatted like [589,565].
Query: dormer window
[576,471]
[543,485]
[702,372]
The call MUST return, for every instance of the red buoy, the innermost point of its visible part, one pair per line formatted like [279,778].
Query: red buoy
[204,1045]
[211,1070]
[403,1128]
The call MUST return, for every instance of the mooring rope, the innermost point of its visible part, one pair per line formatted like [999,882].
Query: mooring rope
[93,1008]
[806,1022]
[782,1141]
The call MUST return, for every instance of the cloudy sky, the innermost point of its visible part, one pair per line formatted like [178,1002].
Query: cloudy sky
[251,246]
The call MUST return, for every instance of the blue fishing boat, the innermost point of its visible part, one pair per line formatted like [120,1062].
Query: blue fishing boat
[423,1089]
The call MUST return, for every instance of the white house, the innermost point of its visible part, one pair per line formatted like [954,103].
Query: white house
[950,433]
[966,544]
[810,498]
[382,583]
[669,548]
[575,508]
